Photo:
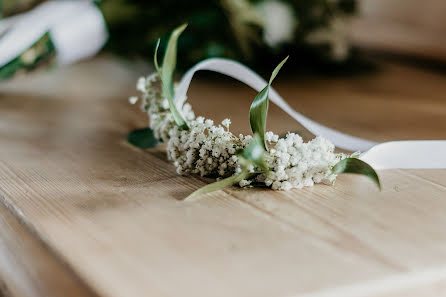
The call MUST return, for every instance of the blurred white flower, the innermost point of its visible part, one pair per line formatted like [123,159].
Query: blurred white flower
[141,84]
[133,99]
[279,22]
[336,35]
[226,123]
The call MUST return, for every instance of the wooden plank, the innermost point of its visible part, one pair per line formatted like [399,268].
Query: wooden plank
[113,214]
[29,268]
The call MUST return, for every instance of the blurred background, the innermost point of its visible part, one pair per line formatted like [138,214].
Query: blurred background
[321,36]
[374,69]
[350,48]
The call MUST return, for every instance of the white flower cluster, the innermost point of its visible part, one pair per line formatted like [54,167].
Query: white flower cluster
[295,164]
[205,149]
[211,150]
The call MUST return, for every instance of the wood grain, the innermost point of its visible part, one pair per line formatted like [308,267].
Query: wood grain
[29,268]
[112,214]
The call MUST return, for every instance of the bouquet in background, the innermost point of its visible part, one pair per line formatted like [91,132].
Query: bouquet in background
[314,32]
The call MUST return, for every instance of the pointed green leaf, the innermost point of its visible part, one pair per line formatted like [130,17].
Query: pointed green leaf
[353,165]
[219,185]
[254,152]
[259,107]
[155,57]
[142,138]
[258,113]
[167,71]
[276,70]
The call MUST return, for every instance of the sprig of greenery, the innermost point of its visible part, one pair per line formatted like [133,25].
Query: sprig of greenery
[167,70]
[253,154]
[259,107]
[144,138]
[354,165]
[219,185]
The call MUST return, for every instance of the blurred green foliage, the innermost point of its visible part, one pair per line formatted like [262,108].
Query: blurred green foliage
[225,28]
[135,26]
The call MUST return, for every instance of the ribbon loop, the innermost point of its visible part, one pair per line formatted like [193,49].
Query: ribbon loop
[390,155]
[247,76]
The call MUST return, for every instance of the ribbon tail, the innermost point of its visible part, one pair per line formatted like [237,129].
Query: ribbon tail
[411,154]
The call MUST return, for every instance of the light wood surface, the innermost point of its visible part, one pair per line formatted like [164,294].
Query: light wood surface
[29,268]
[108,219]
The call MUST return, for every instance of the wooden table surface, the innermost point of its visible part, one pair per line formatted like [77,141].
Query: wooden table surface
[83,213]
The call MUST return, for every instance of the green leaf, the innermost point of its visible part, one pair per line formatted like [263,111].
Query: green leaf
[254,152]
[353,165]
[259,107]
[155,57]
[167,71]
[276,70]
[219,185]
[142,138]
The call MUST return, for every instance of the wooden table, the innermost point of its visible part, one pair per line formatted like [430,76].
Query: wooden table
[83,213]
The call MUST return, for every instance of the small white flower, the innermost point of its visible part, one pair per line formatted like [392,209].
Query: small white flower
[271,137]
[141,84]
[165,104]
[226,123]
[133,99]
[244,183]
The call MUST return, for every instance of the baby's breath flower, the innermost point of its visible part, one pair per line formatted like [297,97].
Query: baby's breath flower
[226,123]
[133,99]
[244,183]
[271,137]
[141,84]
[209,149]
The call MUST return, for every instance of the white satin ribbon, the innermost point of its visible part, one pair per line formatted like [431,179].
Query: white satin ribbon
[407,154]
[388,155]
[77,29]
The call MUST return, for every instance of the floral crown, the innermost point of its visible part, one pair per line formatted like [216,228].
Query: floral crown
[199,146]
